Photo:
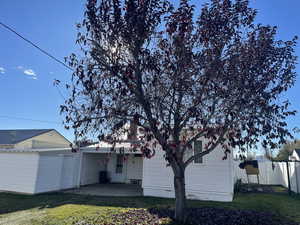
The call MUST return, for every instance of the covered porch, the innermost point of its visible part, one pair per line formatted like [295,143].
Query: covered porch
[101,166]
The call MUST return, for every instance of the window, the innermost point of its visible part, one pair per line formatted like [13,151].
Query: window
[119,165]
[198,149]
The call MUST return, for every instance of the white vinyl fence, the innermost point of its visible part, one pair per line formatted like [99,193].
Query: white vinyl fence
[269,175]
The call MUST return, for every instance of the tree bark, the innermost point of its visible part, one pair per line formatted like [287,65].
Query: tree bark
[180,204]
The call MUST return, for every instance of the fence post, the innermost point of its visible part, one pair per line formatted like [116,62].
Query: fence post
[288,176]
[296,175]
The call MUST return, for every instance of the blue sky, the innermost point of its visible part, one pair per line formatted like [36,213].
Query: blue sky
[26,75]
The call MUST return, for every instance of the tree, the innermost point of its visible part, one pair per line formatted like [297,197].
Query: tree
[287,150]
[180,77]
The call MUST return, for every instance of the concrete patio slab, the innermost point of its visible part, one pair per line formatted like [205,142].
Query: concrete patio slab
[115,190]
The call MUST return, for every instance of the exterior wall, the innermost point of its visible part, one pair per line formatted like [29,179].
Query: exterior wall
[6,146]
[49,173]
[134,168]
[295,155]
[70,171]
[27,144]
[31,173]
[111,169]
[211,180]
[56,171]
[18,172]
[51,139]
[92,164]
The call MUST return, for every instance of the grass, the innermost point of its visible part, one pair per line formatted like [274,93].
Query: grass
[63,209]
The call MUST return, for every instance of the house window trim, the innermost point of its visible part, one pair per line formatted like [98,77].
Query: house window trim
[122,167]
[203,162]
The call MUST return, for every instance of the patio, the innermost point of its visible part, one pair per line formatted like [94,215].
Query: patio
[115,190]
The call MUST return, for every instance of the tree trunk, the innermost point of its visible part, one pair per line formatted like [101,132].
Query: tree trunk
[180,204]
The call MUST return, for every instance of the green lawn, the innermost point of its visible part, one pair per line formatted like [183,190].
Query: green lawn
[58,208]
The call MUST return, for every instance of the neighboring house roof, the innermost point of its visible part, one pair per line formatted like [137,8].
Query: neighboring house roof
[30,150]
[10,137]
[117,144]
[298,152]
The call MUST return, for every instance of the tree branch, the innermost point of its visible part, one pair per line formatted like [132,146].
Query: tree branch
[192,158]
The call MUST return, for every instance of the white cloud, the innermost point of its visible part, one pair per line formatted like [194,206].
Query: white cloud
[51,72]
[2,70]
[29,72]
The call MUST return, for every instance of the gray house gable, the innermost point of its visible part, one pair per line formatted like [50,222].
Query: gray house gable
[11,137]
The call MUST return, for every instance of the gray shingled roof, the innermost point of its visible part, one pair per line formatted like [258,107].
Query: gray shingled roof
[298,152]
[16,136]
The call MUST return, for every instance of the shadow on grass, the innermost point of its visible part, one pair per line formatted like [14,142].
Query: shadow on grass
[263,188]
[10,202]
[280,204]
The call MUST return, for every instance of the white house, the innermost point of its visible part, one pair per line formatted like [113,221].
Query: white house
[32,139]
[35,161]
[295,155]
[39,169]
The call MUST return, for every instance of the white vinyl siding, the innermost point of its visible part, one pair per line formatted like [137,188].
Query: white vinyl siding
[49,173]
[134,168]
[70,171]
[51,139]
[32,173]
[212,181]
[92,164]
[57,172]
[18,172]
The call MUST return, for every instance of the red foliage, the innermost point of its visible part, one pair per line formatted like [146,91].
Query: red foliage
[219,75]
